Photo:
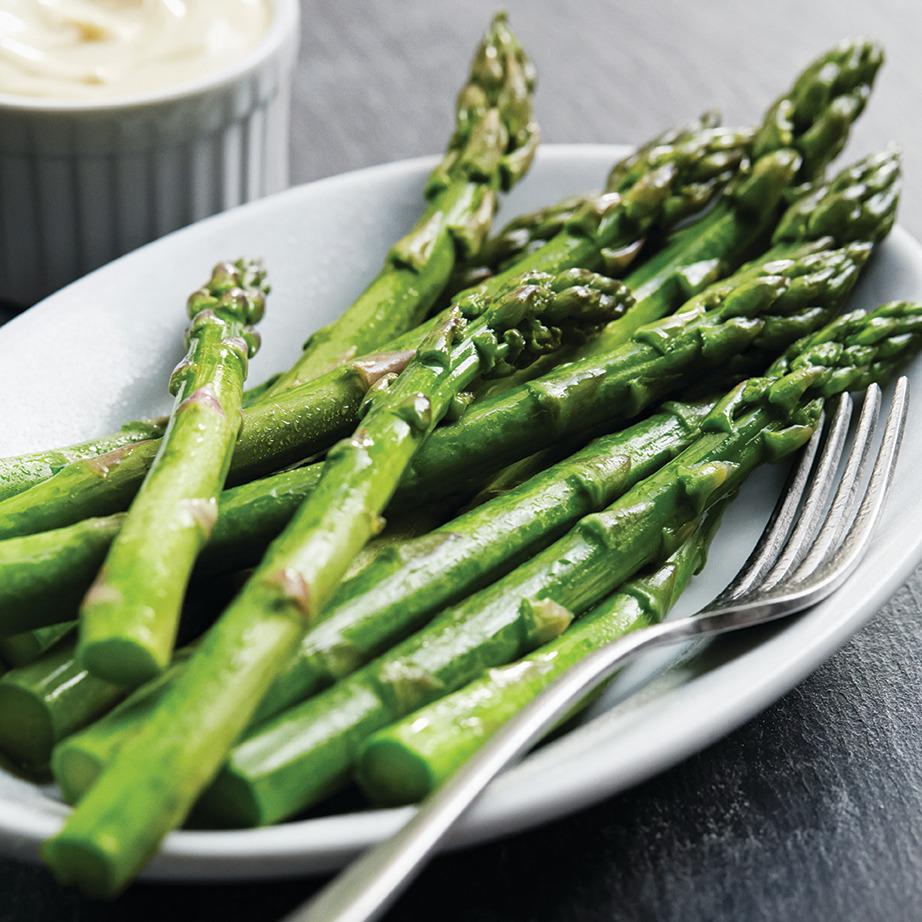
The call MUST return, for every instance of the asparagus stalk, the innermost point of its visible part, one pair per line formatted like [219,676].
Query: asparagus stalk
[22,649]
[214,710]
[303,566]
[491,149]
[359,475]
[283,427]
[131,613]
[405,761]
[302,754]
[276,432]
[800,134]
[661,183]
[407,583]
[858,204]
[530,232]
[46,700]
[784,299]
[40,575]
[821,106]
[19,472]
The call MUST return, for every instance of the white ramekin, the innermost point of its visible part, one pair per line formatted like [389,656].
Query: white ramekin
[84,182]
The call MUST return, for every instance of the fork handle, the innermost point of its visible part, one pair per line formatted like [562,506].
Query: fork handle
[373,882]
[369,886]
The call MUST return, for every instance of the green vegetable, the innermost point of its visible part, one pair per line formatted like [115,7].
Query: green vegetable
[22,649]
[407,760]
[304,753]
[768,306]
[305,564]
[692,191]
[799,135]
[291,426]
[664,181]
[208,707]
[284,427]
[858,204]
[130,616]
[19,472]
[408,582]
[491,149]
[77,760]
[825,99]
[276,432]
[46,700]
[41,575]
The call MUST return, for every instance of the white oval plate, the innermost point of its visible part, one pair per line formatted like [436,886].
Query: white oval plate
[99,352]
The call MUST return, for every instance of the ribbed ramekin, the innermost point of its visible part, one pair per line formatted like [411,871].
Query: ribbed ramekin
[82,183]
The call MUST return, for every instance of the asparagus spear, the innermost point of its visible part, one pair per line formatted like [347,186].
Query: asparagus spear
[408,582]
[40,575]
[186,768]
[44,701]
[801,133]
[530,232]
[799,294]
[610,230]
[491,149]
[664,181]
[826,98]
[19,472]
[284,427]
[304,565]
[22,649]
[276,432]
[405,761]
[291,761]
[131,613]
[849,353]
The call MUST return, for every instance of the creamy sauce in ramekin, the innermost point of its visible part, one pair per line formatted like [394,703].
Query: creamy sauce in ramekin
[104,49]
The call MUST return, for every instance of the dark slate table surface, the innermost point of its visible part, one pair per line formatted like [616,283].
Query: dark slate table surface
[813,810]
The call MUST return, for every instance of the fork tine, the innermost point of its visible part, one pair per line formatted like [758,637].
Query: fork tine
[837,568]
[840,512]
[771,541]
[811,513]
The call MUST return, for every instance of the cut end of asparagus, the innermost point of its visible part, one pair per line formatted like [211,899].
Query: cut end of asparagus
[230,802]
[26,731]
[84,863]
[390,774]
[120,660]
[75,769]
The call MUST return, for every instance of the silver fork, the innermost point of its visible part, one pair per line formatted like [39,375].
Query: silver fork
[809,547]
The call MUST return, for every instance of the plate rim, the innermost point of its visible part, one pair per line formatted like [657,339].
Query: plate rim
[511,804]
